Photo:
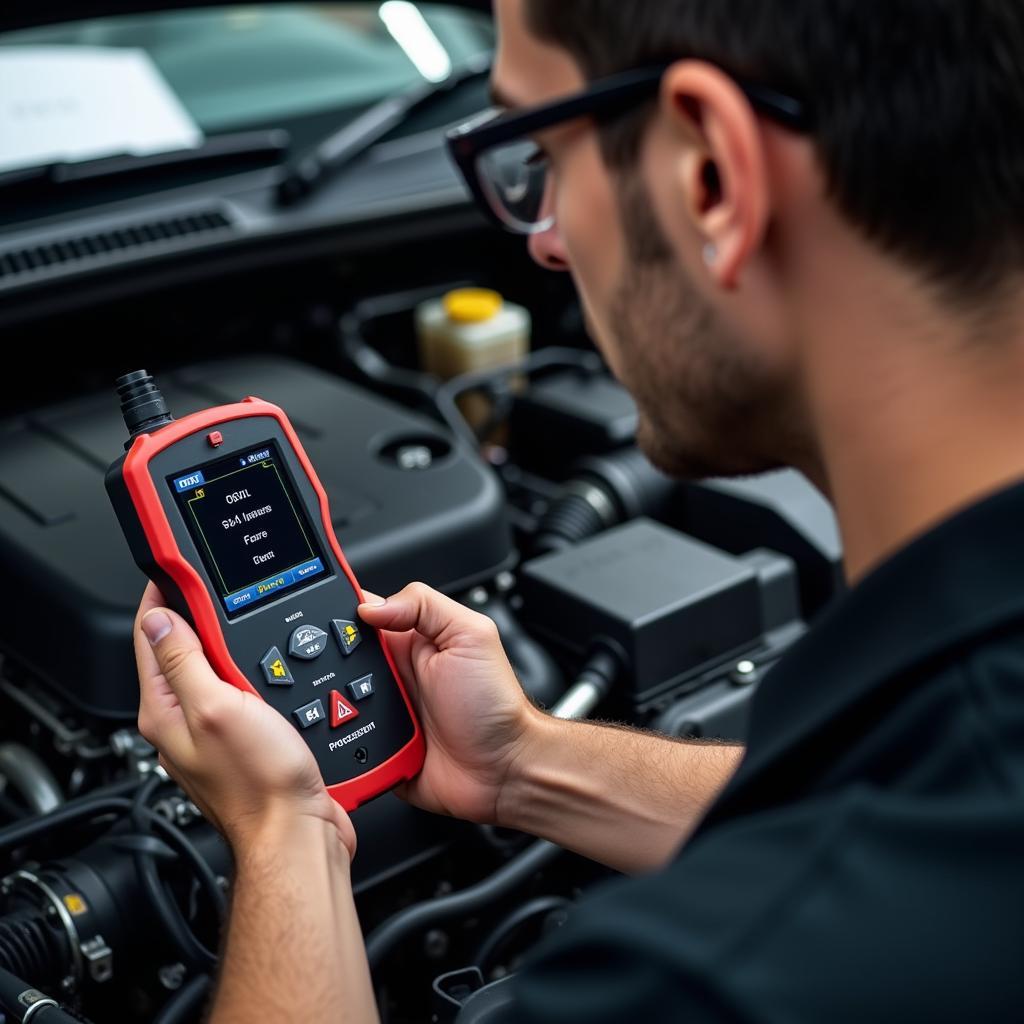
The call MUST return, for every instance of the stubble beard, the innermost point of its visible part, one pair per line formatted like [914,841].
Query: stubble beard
[701,399]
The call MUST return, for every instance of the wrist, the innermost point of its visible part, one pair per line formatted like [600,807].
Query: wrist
[541,737]
[283,828]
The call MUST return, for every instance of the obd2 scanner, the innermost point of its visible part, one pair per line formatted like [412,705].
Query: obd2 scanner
[223,511]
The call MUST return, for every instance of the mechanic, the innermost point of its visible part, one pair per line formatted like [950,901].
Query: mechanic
[803,245]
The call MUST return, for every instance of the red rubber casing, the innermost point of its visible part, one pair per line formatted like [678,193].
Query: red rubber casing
[406,763]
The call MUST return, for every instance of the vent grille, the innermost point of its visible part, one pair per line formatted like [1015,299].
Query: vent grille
[78,249]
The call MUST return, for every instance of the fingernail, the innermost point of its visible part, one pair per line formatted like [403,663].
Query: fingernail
[373,600]
[156,625]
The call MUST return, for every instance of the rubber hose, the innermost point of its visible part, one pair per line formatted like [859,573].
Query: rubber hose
[383,939]
[514,921]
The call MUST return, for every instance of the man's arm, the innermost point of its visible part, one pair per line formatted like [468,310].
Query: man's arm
[626,798]
[620,796]
[294,948]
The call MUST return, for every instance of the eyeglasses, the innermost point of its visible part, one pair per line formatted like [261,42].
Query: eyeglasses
[507,173]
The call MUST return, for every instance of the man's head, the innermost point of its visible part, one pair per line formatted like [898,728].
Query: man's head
[695,228]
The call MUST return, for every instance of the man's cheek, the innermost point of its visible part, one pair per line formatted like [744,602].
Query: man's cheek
[596,324]
[588,276]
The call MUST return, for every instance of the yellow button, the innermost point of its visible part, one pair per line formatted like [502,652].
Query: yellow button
[472,305]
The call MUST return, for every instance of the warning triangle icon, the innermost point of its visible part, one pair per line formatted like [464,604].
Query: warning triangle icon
[341,710]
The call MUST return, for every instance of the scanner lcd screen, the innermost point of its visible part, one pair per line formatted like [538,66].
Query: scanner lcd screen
[251,531]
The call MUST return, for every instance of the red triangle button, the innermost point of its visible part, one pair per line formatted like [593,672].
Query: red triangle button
[341,710]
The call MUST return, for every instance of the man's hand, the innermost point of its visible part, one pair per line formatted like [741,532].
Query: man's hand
[493,758]
[242,764]
[476,718]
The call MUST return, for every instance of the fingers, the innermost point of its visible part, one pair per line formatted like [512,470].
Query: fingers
[441,620]
[173,667]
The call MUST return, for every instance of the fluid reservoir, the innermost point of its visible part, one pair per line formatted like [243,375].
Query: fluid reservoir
[471,329]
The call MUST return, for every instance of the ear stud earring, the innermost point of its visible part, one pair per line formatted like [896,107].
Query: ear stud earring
[710,254]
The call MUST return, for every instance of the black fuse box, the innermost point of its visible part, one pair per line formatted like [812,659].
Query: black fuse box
[678,610]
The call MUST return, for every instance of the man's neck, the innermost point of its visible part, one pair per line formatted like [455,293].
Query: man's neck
[918,412]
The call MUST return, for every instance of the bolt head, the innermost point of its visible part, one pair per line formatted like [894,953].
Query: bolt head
[745,673]
[505,582]
[172,976]
[435,944]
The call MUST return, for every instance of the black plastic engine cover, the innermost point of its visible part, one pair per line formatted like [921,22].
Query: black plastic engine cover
[71,588]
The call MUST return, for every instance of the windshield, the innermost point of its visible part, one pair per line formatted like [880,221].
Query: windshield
[238,67]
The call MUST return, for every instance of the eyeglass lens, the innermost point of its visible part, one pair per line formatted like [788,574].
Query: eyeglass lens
[514,176]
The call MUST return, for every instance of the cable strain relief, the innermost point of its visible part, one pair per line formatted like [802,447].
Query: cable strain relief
[142,403]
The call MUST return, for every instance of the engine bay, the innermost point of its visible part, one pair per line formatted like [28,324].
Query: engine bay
[661,603]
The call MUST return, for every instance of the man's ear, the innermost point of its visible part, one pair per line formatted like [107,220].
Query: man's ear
[722,173]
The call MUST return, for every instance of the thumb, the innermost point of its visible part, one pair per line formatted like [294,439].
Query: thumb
[438,618]
[176,653]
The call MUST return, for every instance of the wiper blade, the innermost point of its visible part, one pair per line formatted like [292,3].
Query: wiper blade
[337,151]
[216,151]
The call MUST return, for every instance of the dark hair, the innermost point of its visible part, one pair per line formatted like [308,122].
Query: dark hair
[918,107]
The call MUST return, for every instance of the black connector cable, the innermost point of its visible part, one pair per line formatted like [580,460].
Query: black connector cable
[142,405]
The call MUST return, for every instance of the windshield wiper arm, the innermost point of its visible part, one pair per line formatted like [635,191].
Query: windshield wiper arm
[217,150]
[337,151]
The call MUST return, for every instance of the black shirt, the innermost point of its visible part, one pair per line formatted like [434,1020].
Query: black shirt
[866,863]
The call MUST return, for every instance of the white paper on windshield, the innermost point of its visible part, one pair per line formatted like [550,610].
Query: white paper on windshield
[77,103]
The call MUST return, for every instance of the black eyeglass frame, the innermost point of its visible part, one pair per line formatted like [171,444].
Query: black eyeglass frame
[469,141]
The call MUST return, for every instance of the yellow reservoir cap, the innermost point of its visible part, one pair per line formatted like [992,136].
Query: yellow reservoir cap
[472,305]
